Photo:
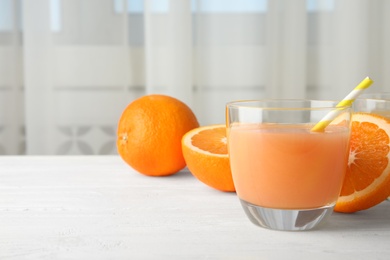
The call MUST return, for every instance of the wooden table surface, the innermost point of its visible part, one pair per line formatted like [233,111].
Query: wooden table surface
[97,207]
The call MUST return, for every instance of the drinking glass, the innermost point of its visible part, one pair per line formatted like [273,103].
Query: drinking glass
[375,103]
[287,177]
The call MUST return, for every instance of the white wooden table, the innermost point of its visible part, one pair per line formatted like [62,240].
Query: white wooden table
[97,207]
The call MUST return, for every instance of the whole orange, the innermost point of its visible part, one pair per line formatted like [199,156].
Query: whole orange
[150,131]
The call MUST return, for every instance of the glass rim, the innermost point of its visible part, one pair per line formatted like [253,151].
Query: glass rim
[376,96]
[241,104]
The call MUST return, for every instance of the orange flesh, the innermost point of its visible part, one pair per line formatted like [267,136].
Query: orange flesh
[367,179]
[368,157]
[211,140]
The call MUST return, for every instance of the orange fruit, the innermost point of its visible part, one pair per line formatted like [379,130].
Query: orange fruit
[367,181]
[150,131]
[205,152]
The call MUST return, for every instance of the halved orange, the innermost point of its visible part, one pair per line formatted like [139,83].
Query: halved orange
[367,181]
[205,152]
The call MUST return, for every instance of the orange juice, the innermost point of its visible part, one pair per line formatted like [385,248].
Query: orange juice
[287,166]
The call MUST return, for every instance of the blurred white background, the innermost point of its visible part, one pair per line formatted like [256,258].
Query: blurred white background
[69,67]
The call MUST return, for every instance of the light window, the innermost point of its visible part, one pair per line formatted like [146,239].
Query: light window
[230,6]
[216,6]
[133,6]
[55,15]
[319,5]
[6,8]
[7,14]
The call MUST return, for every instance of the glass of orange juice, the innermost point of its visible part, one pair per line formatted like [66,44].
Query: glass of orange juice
[374,103]
[287,177]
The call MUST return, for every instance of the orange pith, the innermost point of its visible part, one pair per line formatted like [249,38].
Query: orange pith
[205,152]
[367,181]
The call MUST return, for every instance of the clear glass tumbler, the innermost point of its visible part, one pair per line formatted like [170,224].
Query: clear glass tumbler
[287,177]
[375,103]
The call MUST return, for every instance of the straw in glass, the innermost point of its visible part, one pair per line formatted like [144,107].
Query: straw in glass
[347,101]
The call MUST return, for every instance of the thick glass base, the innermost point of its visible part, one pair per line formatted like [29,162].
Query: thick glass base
[287,220]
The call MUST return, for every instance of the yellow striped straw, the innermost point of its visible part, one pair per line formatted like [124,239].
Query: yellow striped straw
[347,101]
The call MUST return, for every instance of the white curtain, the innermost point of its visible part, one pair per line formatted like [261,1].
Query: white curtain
[69,67]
